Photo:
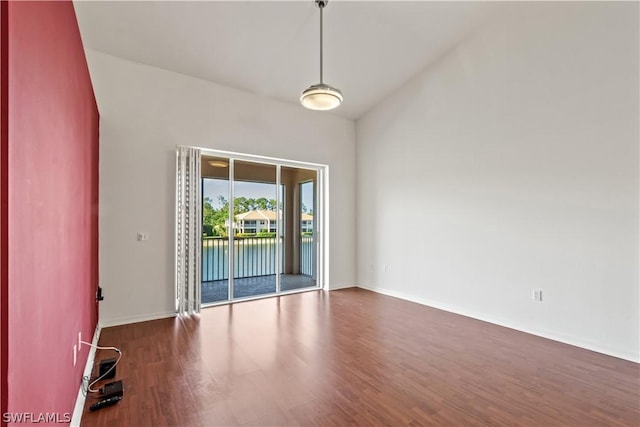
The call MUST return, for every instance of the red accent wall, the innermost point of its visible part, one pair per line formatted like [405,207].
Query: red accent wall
[52,206]
[4,224]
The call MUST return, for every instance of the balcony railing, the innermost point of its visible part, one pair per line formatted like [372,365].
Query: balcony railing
[306,255]
[253,256]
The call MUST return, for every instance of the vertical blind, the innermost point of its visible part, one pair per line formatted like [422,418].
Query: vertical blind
[188,230]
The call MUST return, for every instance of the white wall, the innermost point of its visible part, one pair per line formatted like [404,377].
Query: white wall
[145,113]
[512,164]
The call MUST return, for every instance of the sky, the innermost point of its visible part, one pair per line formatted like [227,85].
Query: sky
[251,190]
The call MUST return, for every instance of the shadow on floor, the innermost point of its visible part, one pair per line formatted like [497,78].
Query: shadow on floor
[217,290]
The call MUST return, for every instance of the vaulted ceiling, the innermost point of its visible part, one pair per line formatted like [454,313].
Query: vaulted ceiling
[272,48]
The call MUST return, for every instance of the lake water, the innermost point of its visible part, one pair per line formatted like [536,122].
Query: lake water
[252,257]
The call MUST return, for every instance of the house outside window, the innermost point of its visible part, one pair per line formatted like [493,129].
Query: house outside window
[257,221]
[306,223]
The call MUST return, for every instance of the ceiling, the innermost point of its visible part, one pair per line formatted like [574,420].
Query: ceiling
[272,48]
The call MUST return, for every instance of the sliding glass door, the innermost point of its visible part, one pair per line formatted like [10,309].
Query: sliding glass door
[260,228]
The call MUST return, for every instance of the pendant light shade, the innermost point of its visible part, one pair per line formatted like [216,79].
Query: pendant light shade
[321,96]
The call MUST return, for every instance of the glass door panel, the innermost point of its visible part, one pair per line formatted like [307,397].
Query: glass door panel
[215,229]
[299,238]
[255,227]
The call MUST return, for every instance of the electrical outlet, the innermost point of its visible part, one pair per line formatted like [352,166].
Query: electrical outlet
[79,340]
[537,294]
[75,354]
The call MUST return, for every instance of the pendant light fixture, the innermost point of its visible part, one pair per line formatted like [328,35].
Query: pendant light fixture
[321,96]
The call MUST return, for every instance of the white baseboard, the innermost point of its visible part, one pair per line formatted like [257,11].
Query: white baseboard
[78,410]
[342,286]
[135,319]
[483,317]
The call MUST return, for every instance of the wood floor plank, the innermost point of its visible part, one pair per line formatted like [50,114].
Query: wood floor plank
[353,357]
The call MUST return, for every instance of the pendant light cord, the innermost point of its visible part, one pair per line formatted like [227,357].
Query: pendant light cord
[321,9]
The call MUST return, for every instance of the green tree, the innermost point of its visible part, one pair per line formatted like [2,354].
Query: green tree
[207,217]
[207,211]
[240,205]
[262,203]
[219,217]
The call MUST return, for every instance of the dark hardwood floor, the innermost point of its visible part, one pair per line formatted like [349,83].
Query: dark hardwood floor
[353,357]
